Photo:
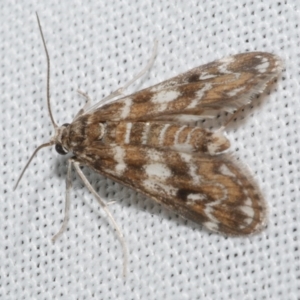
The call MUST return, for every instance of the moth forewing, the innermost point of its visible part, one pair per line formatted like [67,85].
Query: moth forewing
[223,85]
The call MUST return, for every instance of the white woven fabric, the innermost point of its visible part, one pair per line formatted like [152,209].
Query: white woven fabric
[98,46]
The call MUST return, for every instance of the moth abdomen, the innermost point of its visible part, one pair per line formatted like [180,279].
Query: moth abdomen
[166,136]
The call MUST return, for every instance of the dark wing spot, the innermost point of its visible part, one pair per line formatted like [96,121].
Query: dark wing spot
[193,78]
[142,96]
[182,194]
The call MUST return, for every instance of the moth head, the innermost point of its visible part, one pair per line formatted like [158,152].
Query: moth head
[57,140]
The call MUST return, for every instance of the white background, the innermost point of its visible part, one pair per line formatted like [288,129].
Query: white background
[97,46]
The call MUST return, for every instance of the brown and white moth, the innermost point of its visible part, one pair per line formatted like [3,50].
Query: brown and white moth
[145,141]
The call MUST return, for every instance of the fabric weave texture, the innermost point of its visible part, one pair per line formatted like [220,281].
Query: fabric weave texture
[97,46]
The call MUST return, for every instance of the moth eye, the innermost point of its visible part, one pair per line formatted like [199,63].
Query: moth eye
[60,149]
[65,125]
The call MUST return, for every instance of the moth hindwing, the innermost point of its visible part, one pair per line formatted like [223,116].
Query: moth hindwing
[147,141]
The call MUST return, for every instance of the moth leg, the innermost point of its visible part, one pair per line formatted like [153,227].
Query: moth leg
[67,203]
[121,90]
[87,98]
[111,202]
[86,105]
[144,70]
[104,206]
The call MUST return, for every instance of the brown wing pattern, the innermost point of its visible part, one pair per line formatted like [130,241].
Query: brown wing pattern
[212,191]
[225,84]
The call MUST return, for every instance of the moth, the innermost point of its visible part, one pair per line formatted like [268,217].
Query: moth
[148,142]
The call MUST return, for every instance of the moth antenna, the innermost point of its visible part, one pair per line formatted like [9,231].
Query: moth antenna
[48,103]
[30,159]
[48,73]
